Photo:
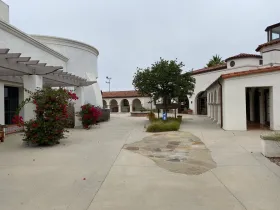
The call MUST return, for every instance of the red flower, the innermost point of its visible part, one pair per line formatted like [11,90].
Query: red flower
[18,120]
[34,125]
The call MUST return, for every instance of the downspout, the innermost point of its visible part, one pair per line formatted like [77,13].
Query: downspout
[221,97]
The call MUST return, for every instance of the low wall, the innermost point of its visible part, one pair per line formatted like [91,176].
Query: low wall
[139,114]
[105,115]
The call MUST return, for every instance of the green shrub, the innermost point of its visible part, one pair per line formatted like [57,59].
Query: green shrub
[271,136]
[161,126]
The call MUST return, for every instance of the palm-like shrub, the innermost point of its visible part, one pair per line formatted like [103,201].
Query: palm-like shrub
[215,61]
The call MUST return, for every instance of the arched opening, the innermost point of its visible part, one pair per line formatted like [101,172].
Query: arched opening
[105,104]
[136,105]
[114,106]
[201,101]
[184,105]
[125,106]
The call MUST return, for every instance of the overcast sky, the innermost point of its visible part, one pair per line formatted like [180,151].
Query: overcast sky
[136,33]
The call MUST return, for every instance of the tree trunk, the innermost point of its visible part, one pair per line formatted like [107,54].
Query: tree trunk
[165,105]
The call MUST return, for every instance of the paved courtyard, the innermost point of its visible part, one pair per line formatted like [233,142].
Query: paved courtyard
[91,171]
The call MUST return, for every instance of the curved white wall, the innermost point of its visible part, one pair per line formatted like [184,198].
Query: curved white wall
[82,62]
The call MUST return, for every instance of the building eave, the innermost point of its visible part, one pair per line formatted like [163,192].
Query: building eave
[71,42]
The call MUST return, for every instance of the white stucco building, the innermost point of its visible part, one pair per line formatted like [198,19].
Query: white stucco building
[126,101]
[244,93]
[33,61]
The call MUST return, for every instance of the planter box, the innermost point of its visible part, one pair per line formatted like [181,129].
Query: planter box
[270,148]
[139,114]
[105,116]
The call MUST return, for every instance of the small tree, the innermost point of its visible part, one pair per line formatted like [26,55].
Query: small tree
[89,115]
[215,61]
[164,80]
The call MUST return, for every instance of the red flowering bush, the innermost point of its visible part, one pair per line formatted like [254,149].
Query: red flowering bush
[50,122]
[89,115]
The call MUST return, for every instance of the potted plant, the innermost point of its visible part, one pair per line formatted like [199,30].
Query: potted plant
[270,144]
[179,118]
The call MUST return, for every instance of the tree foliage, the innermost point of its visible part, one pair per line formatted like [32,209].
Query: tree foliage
[215,61]
[164,80]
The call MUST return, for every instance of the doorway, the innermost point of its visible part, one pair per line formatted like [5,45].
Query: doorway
[258,108]
[11,103]
[202,103]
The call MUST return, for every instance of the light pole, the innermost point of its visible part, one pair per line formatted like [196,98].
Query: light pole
[109,82]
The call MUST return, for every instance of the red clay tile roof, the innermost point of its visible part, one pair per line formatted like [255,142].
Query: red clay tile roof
[120,94]
[277,41]
[243,55]
[210,69]
[249,72]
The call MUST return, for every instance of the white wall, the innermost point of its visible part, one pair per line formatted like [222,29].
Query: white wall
[82,62]
[271,54]
[19,45]
[144,101]
[204,80]
[4,11]
[234,99]
[242,62]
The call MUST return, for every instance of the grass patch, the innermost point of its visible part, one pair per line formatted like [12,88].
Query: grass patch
[158,125]
[271,137]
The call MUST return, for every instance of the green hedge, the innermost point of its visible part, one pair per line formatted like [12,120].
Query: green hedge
[162,126]
[105,116]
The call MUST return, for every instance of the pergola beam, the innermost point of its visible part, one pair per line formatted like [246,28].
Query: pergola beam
[32,62]
[13,67]
[20,59]
[4,51]
[10,55]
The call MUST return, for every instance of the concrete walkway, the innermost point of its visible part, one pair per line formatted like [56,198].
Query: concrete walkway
[53,178]
[243,179]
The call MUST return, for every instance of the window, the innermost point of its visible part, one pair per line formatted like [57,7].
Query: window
[261,62]
[232,64]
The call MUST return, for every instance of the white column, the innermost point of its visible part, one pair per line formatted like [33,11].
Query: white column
[219,114]
[215,112]
[31,83]
[78,103]
[131,110]
[2,107]
[120,108]
[262,112]
[252,104]
[20,99]
[208,110]
[210,114]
